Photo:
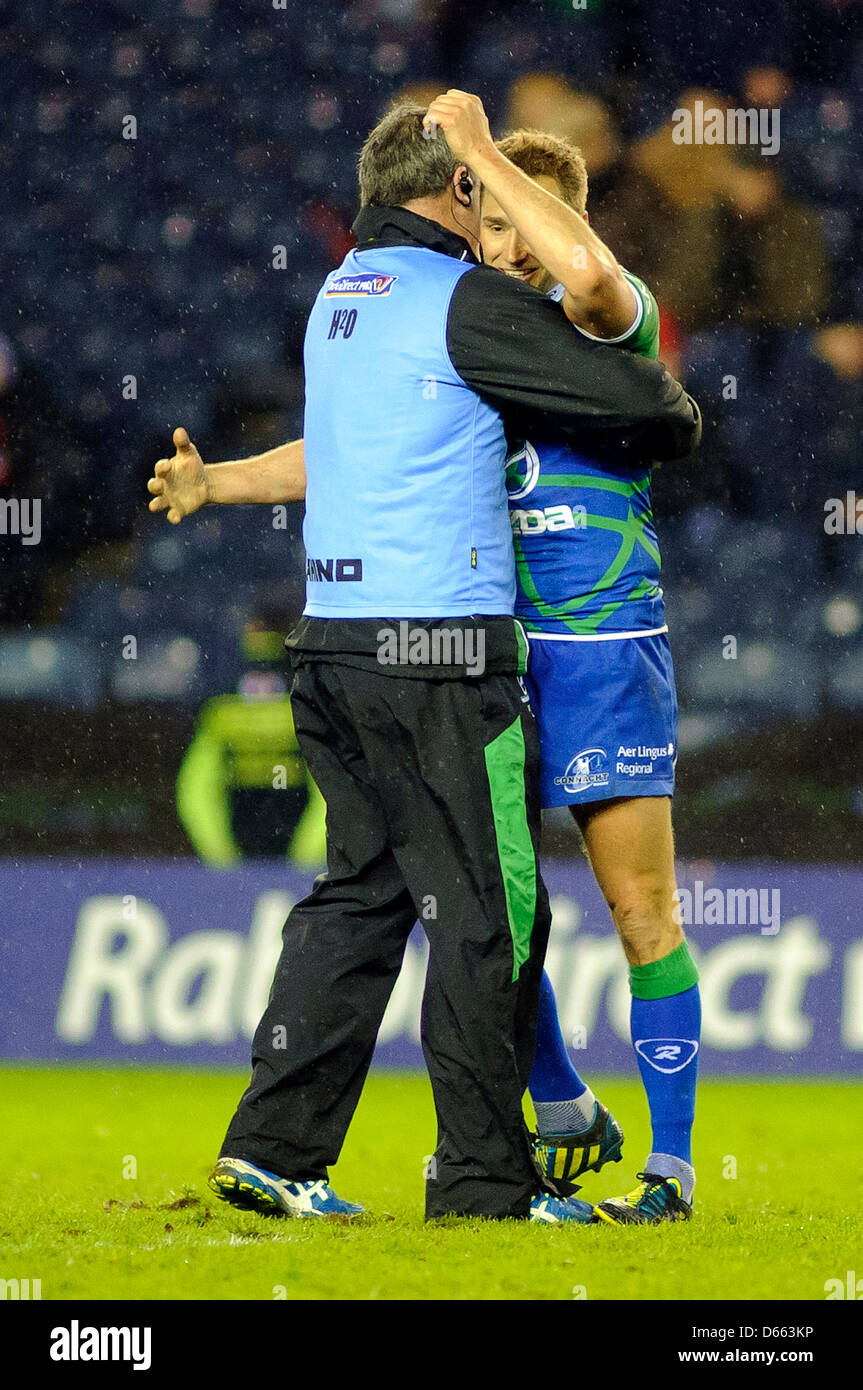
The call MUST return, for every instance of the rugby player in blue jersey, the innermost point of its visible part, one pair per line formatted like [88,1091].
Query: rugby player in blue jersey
[600,672]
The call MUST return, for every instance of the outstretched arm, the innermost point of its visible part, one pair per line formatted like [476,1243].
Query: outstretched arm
[597,295]
[279,475]
[184,483]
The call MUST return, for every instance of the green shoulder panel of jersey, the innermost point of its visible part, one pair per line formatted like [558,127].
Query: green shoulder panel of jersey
[644,338]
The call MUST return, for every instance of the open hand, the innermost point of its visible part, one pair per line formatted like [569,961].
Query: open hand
[179,485]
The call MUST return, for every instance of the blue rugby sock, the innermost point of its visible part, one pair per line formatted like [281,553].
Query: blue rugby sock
[666,1035]
[554,1078]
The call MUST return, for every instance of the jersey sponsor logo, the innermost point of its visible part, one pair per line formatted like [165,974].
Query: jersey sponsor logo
[536,521]
[586,771]
[647,754]
[334,571]
[667,1054]
[641,750]
[365,284]
[344,322]
[522,471]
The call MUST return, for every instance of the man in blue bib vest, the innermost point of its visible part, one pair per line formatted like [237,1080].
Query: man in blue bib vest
[408,703]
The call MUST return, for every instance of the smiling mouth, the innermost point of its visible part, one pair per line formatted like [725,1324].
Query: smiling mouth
[523,274]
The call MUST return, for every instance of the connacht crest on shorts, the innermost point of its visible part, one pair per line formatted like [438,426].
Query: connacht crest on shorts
[667,1054]
[586,771]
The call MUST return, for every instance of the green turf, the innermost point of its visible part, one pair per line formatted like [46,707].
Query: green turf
[789,1221]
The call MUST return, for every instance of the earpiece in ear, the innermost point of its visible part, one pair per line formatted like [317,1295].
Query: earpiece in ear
[465,186]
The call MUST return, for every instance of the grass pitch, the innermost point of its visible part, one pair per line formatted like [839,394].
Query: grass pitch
[105,1196]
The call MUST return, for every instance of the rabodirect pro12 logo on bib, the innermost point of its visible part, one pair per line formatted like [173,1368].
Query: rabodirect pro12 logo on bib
[365,284]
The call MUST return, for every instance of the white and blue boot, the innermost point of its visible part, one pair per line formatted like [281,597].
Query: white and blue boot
[552,1211]
[254,1189]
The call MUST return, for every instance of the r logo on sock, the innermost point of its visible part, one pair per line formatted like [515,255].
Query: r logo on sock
[667,1054]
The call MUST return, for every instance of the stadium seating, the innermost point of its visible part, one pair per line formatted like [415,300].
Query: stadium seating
[155,261]
[756,679]
[846,678]
[53,666]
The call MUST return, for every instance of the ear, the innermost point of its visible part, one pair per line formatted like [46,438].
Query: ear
[461,172]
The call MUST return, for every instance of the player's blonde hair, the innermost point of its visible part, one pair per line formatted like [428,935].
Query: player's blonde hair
[536,152]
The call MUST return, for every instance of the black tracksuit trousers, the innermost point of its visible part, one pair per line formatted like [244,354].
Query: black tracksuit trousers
[432,814]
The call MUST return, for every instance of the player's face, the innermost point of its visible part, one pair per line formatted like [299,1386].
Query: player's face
[502,246]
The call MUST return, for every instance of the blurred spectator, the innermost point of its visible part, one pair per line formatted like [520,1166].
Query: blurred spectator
[841,348]
[546,101]
[243,789]
[765,86]
[731,244]
[820,424]
[776,266]
[422,93]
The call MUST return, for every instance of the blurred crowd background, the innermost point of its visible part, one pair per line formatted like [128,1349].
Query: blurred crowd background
[158,271]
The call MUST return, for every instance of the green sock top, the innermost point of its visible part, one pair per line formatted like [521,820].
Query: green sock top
[672,974]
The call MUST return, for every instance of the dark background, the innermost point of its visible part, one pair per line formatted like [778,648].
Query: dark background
[152,258]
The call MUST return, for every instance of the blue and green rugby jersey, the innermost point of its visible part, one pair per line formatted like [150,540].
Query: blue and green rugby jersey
[587,559]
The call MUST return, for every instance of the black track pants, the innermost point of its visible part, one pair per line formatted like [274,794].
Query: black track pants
[432,813]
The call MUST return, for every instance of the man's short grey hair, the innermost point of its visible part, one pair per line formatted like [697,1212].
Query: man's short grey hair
[401,161]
